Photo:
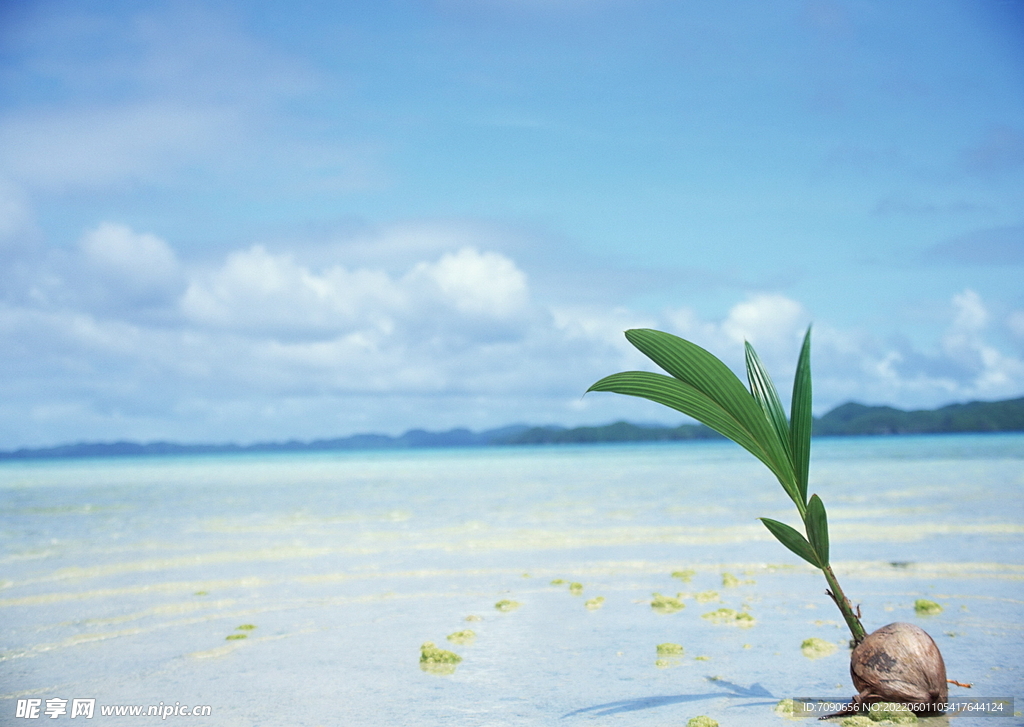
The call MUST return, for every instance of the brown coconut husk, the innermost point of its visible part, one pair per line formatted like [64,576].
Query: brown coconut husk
[899,663]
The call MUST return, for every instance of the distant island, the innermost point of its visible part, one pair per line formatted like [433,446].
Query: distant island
[849,419]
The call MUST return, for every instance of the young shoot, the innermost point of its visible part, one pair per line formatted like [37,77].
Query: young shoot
[701,386]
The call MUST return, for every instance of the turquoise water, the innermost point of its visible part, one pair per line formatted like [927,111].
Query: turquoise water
[121,579]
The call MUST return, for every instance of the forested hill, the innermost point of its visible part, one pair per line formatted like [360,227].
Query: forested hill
[976,416]
[846,420]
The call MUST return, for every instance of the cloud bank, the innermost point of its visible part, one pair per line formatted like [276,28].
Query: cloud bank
[121,337]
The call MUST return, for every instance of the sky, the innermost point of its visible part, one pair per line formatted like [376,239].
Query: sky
[251,221]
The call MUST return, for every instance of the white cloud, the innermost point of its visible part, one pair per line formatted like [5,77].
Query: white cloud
[993,374]
[261,292]
[963,366]
[479,284]
[116,271]
[265,345]
[142,261]
[766,321]
[962,340]
[772,323]
[857,365]
[273,294]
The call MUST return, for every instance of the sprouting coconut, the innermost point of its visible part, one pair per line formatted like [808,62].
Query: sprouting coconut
[897,663]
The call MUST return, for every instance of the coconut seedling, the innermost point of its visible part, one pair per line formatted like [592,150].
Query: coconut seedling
[897,663]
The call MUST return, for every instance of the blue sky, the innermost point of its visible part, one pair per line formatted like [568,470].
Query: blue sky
[249,221]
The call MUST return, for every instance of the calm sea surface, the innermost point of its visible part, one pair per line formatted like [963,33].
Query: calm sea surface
[124,581]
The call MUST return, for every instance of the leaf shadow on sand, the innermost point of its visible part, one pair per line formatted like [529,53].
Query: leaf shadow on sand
[754,691]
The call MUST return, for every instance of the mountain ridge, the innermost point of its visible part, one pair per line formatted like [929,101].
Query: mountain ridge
[849,419]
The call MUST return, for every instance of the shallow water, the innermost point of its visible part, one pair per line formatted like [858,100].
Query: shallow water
[122,580]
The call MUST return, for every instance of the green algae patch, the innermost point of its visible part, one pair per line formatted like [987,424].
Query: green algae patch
[706,596]
[430,654]
[557,582]
[666,604]
[666,663]
[594,603]
[201,593]
[684,575]
[858,720]
[731,581]
[506,605]
[815,648]
[788,708]
[575,588]
[924,607]
[471,617]
[891,712]
[670,649]
[702,658]
[437,661]
[236,637]
[466,636]
[730,616]
[245,627]
[701,721]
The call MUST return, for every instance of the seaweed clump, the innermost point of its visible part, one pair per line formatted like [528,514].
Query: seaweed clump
[815,648]
[670,649]
[575,588]
[595,603]
[787,708]
[437,661]
[239,637]
[466,636]
[701,721]
[891,713]
[730,616]
[666,604]
[506,605]
[924,607]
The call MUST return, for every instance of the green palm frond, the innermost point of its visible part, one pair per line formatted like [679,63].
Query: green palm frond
[703,387]
[800,417]
[713,396]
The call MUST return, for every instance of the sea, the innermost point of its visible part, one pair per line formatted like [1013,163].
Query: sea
[300,588]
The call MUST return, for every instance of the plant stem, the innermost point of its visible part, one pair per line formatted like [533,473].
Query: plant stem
[856,628]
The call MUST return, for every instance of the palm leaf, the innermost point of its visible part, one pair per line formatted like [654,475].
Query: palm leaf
[682,397]
[763,390]
[800,417]
[702,371]
[817,528]
[792,539]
